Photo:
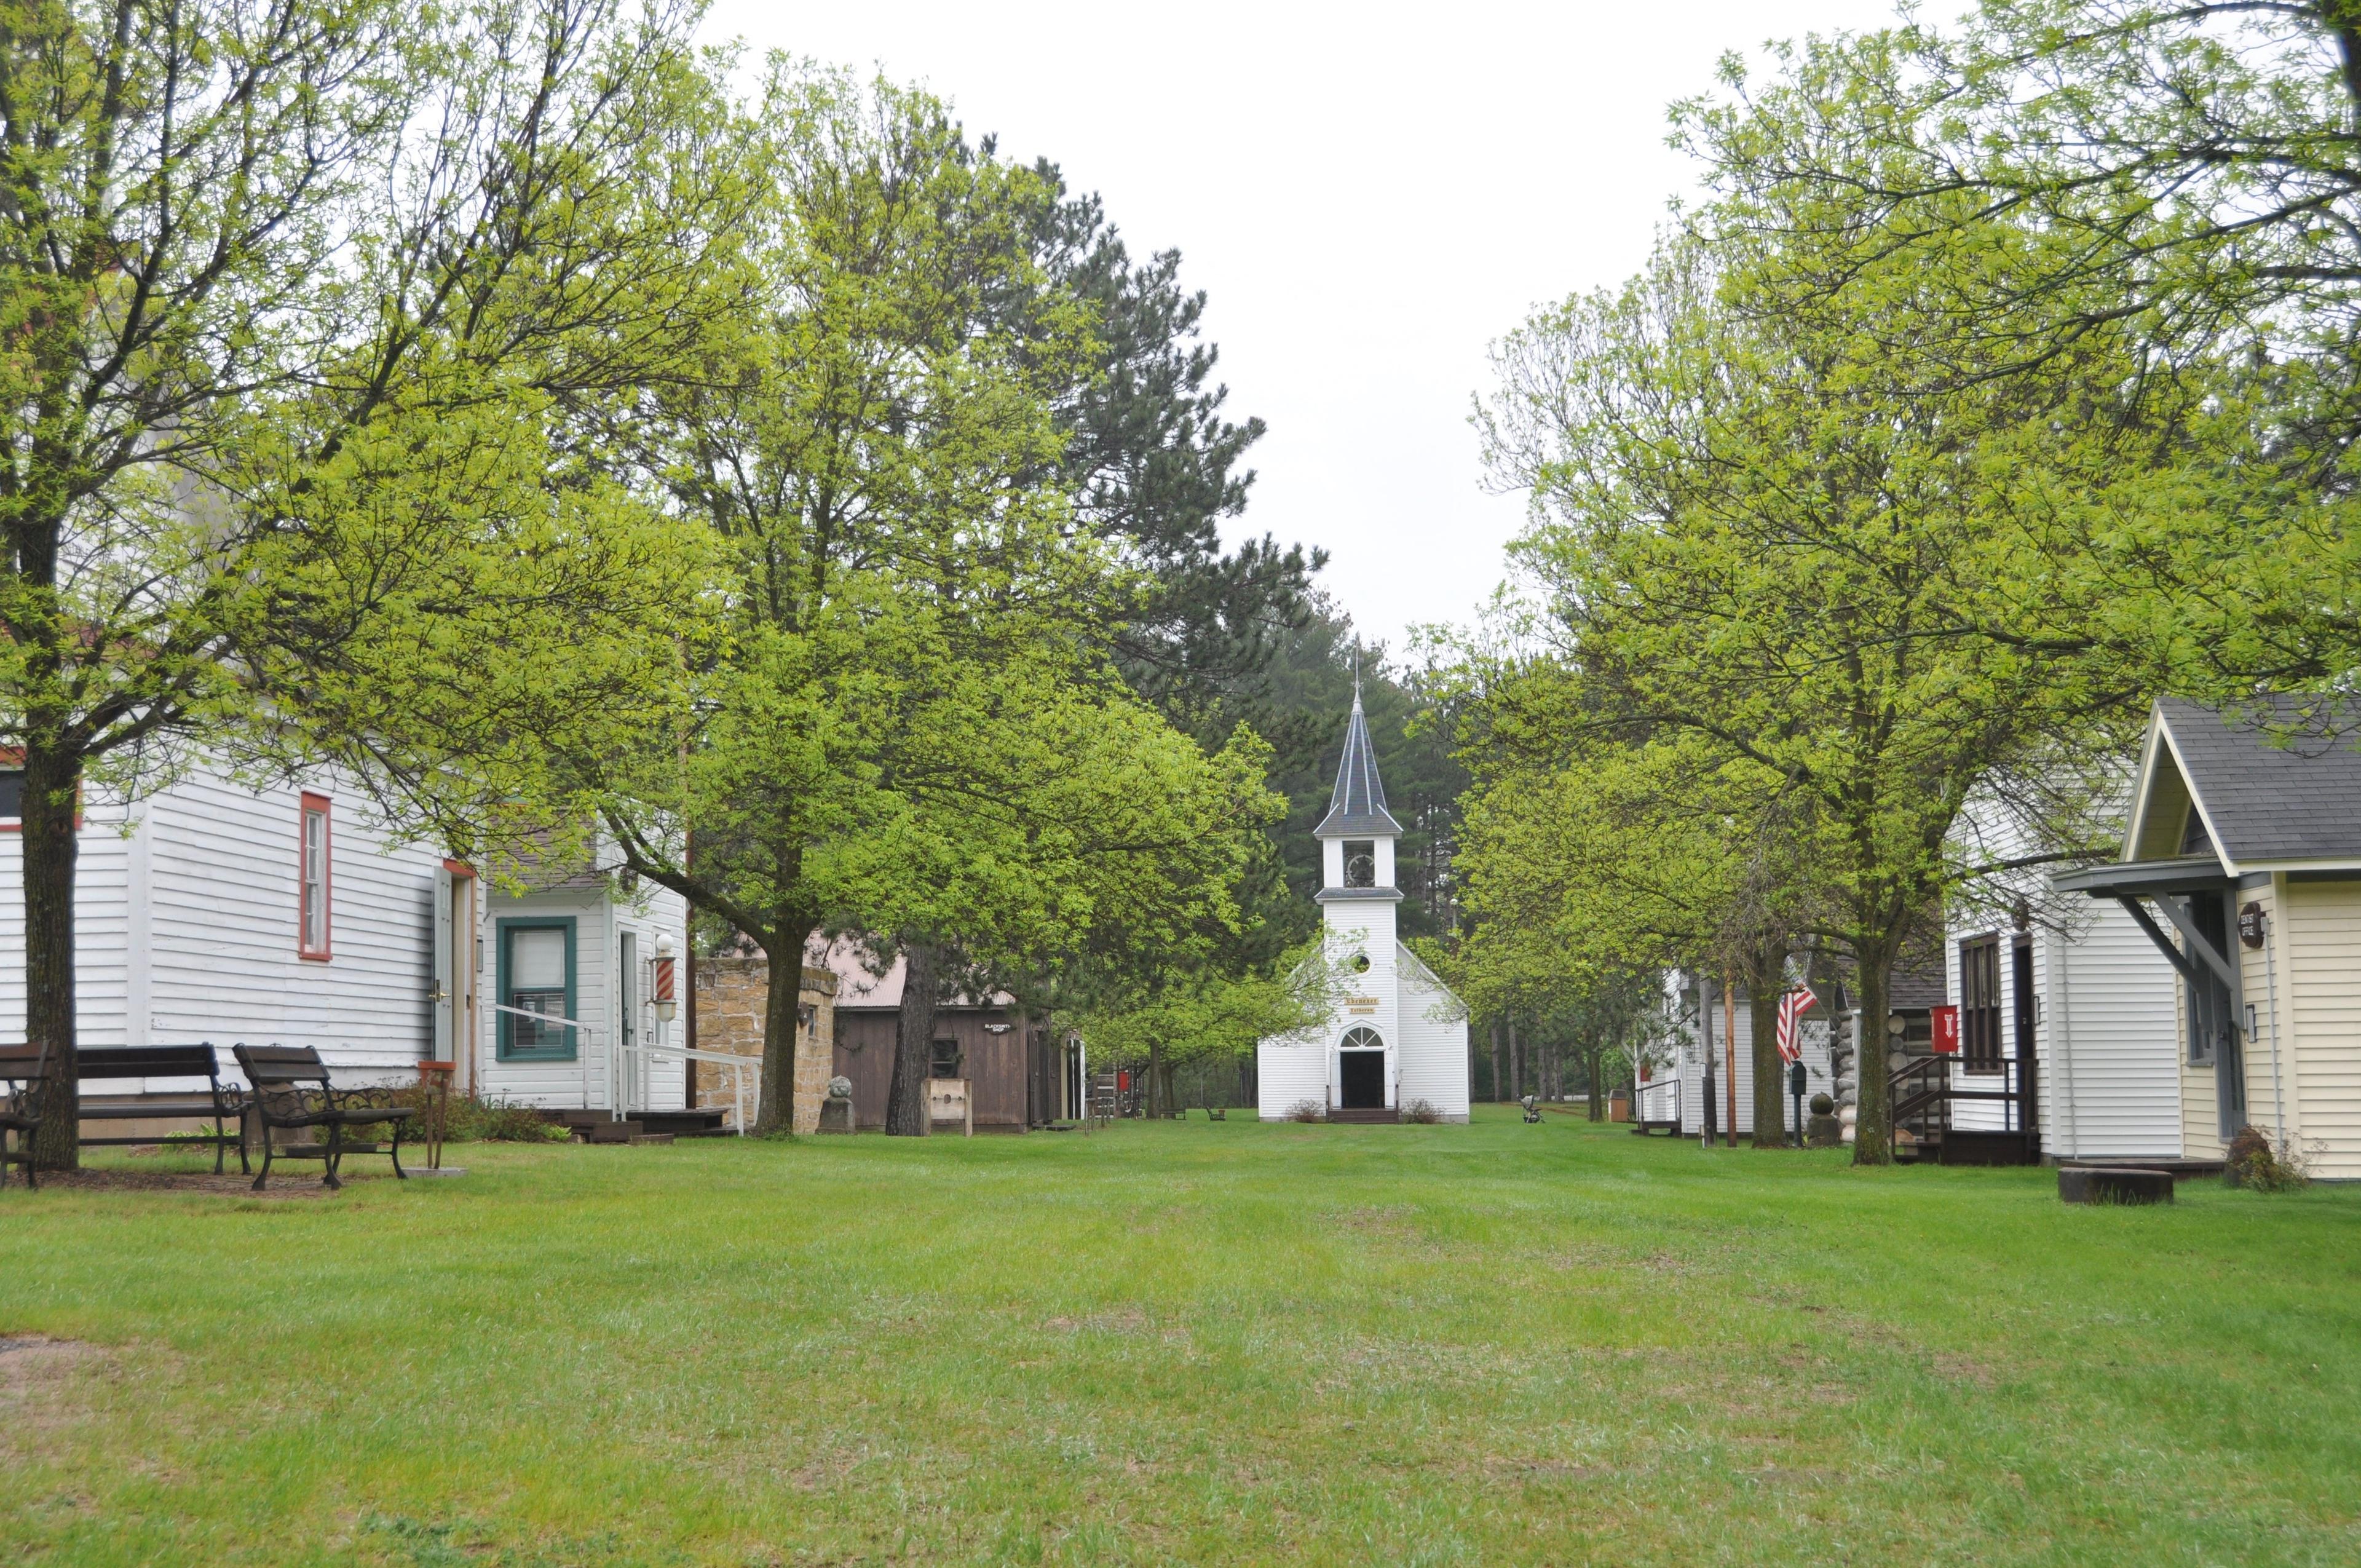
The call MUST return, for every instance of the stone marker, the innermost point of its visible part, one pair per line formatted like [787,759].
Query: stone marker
[836,1111]
[2112,1184]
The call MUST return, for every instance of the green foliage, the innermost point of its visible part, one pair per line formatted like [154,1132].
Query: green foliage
[1205,1013]
[2261,1163]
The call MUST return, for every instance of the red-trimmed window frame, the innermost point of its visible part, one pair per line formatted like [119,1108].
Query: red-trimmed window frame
[14,757]
[323,807]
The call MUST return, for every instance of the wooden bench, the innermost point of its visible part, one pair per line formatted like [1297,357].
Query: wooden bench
[24,1072]
[214,1102]
[292,1091]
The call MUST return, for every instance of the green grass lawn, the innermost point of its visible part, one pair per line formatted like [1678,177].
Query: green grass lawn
[1183,1343]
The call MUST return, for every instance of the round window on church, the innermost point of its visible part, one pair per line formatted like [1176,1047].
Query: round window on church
[1360,963]
[1361,1037]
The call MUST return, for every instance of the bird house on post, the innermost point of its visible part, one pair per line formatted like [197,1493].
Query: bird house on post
[665,993]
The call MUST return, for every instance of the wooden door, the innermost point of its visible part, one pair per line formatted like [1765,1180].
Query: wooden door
[2026,1018]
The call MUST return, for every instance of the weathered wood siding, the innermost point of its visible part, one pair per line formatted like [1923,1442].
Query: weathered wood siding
[994,1062]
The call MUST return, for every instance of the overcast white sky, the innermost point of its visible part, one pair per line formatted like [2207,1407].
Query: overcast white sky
[1368,195]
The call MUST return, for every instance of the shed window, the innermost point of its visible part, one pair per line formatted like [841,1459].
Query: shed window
[536,982]
[318,884]
[947,1058]
[12,795]
[1979,1004]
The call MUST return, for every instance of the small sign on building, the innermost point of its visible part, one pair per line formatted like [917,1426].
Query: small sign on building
[1947,1029]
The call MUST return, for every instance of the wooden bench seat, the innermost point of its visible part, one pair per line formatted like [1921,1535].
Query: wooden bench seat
[24,1070]
[221,1106]
[292,1092]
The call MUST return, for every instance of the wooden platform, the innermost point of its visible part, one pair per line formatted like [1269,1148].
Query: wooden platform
[1376,1118]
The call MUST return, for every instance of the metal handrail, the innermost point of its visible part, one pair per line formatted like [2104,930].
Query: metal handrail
[1640,1092]
[581,1056]
[739,1066]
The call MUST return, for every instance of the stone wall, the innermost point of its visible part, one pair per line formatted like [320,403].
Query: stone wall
[732,995]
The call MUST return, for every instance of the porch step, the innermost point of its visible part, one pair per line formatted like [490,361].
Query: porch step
[1381,1117]
[1958,1147]
[604,1132]
[702,1122]
[651,1138]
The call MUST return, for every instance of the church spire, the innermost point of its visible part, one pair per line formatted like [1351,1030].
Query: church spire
[1358,808]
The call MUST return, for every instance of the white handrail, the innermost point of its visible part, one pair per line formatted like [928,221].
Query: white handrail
[581,1055]
[739,1066]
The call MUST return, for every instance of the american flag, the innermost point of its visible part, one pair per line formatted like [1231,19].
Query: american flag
[1793,1007]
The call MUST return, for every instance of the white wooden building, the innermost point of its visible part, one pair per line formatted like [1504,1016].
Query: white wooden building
[2244,835]
[2076,990]
[1396,1035]
[1707,1022]
[213,912]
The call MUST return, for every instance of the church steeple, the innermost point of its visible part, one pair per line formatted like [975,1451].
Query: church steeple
[1357,837]
[1357,808]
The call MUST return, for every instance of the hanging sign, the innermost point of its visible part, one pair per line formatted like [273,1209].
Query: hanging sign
[1947,1030]
[2250,924]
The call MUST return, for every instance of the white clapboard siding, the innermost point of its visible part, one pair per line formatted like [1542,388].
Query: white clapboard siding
[1434,1052]
[599,924]
[222,940]
[2106,1062]
[102,930]
[185,915]
[1288,1071]
[2108,1048]
[2323,999]
[1812,1040]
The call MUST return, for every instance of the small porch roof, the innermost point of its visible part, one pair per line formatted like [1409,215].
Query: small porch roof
[2144,879]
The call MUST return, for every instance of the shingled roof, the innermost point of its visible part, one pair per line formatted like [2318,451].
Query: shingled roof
[1359,806]
[2275,786]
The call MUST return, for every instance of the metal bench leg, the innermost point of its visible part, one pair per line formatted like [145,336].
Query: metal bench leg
[267,1152]
[218,1138]
[400,1174]
[335,1154]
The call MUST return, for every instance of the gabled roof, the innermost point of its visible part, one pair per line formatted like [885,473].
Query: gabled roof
[858,986]
[1358,806]
[2279,788]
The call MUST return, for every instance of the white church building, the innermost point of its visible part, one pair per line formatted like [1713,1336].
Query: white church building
[1396,1035]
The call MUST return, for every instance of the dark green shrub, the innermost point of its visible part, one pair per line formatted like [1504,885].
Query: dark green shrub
[2261,1165]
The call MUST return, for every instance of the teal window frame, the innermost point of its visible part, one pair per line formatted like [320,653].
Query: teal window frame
[504,1035]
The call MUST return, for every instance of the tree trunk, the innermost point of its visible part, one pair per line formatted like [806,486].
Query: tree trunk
[775,1110]
[1516,1062]
[1872,1139]
[1500,1066]
[1591,1063]
[1762,989]
[51,790]
[914,1043]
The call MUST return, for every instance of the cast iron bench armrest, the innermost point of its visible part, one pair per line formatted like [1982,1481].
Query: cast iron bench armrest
[291,1090]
